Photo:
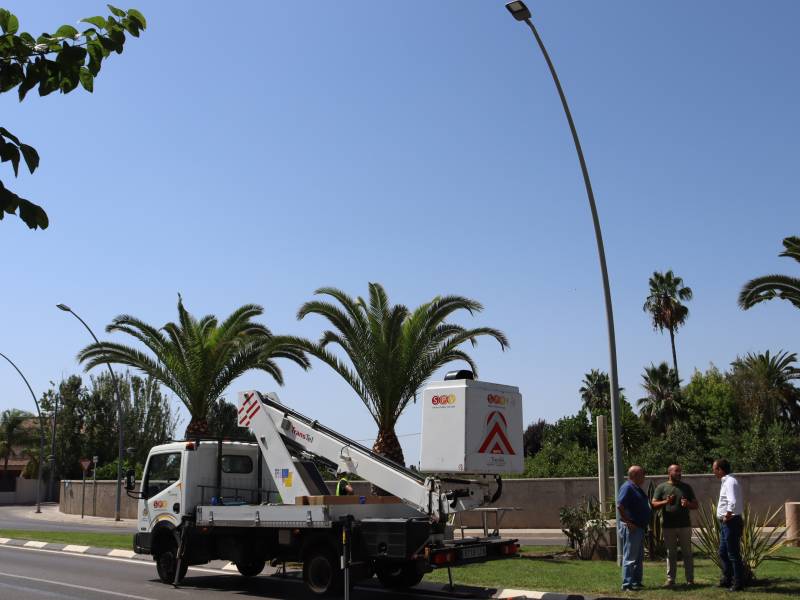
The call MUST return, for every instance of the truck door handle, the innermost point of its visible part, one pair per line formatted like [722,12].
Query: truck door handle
[176,508]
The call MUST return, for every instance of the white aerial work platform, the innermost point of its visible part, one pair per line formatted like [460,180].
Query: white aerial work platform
[264,500]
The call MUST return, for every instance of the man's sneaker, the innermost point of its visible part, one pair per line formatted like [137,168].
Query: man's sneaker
[637,586]
[669,583]
[690,582]
[736,587]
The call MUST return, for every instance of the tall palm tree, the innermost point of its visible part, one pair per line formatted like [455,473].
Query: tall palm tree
[662,405]
[764,383]
[596,391]
[392,349]
[774,286]
[13,436]
[197,358]
[664,303]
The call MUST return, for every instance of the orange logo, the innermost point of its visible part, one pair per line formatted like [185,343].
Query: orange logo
[443,400]
[497,400]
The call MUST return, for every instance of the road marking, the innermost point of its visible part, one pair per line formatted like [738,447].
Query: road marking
[122,560]
[76,587]
[75,548]
[35,544]
[4,540]
[230,567]
[122,553]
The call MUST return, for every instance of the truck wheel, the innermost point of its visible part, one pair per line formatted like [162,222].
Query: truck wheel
[251,568]
[398,576]
[166,562]
[321,572]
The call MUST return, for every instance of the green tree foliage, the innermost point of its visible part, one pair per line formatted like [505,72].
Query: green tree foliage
[533,437]
[764,388]
[14,436]
[59,61]
[666,308]
[596,392]
[768,287]
[223,421]
[197,358]
[86,423]
[392,349]
[662,404]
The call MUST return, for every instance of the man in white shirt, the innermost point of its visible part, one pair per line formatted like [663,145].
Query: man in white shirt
[729,513]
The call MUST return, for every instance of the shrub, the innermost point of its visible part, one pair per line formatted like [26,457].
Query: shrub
[584,525]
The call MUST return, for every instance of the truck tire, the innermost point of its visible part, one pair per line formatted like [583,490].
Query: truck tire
[251,568]
[398,576]
[322,573]
[166,563]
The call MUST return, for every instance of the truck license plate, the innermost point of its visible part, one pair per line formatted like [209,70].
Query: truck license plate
[476,552]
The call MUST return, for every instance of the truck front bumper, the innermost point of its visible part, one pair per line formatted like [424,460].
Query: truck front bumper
[141,543]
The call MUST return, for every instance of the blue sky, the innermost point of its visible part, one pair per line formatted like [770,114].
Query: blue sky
[253,152]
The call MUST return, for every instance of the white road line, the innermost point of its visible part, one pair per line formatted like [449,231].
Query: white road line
[75,548]
[35,544]
[76,587]
[230,567]
[4,540]
[122,553]
[129,561]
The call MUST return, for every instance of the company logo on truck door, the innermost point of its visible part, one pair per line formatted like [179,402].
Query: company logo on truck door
[496,441]
[497,400]
[444,400]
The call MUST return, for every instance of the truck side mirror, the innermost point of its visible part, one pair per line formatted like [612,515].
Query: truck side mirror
[130,480]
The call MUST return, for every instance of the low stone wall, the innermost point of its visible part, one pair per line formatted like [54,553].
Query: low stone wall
[538,499]
[24,494]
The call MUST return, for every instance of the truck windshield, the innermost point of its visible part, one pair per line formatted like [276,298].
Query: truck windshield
[162,471]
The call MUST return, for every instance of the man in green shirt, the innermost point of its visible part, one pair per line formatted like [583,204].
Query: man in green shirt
[677,499]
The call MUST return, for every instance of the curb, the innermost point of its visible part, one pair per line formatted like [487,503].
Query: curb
[74,549]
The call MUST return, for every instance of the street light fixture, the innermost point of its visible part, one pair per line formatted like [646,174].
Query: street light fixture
[41,435]
[521,12]
[121,454]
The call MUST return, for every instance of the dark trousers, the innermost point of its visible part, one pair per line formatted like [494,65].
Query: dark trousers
[730,553]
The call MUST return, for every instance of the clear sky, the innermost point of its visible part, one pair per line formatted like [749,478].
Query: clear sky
[254,151]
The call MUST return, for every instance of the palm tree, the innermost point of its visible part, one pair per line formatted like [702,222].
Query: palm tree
[197,358]
[596,391]
[764,383]
[662,405]
[774,286]
[664,305]
[392,350]
[13,435]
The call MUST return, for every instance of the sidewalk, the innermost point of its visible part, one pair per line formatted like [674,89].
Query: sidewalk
[25,517]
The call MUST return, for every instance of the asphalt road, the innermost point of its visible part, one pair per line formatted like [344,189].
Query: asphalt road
[44,575]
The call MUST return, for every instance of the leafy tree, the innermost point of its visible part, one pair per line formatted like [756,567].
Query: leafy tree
[565,459]
[197,358]
[763,385]
[70,396]
[678,445]
[662,405]
[223,421]
[760,447]
[392,349]
[13,435]
[774,286]
[54,62]
[596,391]
[664,303]
[533,437]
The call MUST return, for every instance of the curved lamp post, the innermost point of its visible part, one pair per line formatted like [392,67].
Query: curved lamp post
[121,455]
[41,436]
[521,13]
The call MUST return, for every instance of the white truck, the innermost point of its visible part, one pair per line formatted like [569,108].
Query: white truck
[250,503]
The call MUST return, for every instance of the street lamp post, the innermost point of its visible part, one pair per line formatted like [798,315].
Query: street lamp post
[41,436]
[52,457]
[521,13]
[121,454]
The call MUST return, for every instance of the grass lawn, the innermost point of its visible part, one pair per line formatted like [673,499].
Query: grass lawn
[101,540]
[537,570]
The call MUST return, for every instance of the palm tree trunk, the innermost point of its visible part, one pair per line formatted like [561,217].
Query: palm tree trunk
[388,446]
[197,428]
[674,356]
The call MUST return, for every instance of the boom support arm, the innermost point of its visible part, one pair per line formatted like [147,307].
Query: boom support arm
[272,422]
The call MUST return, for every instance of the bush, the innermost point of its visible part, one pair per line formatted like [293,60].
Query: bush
[584,525]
